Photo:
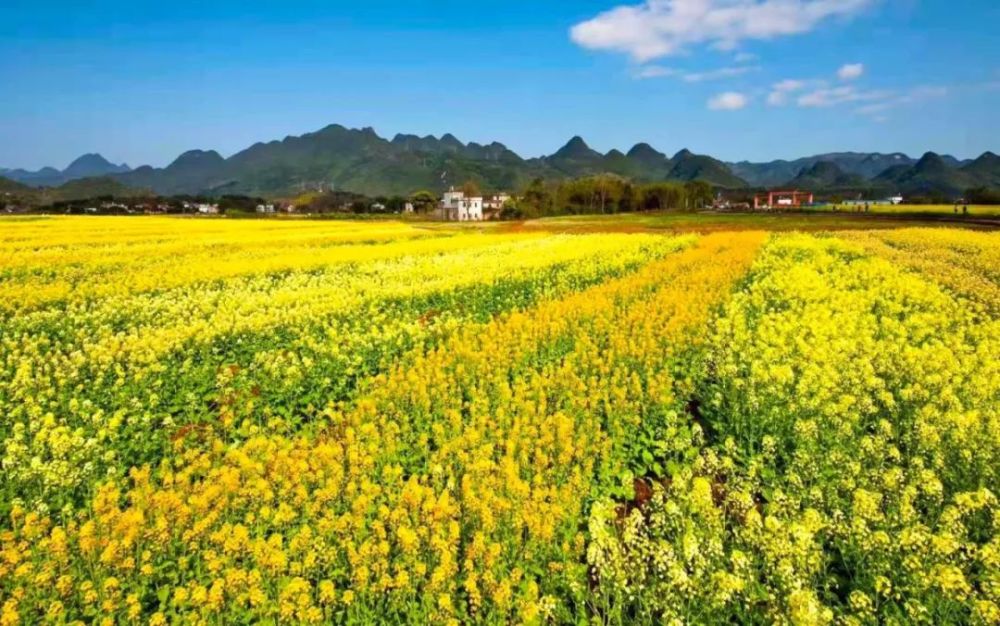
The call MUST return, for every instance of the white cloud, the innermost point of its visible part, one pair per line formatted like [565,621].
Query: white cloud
[728,101]
[658,28]
[744,57]
[851,71]
[781,90]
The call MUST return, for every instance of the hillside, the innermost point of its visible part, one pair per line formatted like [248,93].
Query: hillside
[689,166]
[12,186]
[826,175]
[930,175]
[79,189]
[985,170]
[95,187]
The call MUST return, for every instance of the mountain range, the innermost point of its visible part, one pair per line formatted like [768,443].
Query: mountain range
[359,160]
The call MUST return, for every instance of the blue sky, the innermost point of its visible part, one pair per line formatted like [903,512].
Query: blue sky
[142,81]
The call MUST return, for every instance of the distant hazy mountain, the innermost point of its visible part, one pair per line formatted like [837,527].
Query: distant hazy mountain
[86,166]
[90,165]
[47,176]
[778,172]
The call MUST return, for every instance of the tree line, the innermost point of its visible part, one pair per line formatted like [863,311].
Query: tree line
[605,193]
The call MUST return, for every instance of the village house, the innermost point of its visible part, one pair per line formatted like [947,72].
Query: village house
[456,206]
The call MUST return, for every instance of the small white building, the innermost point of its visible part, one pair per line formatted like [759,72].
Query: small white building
[201,207]
[471,209]
[455,206]
[265,208]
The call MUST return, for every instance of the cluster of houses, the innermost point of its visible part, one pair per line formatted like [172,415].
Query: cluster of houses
[457,207]
[152,208]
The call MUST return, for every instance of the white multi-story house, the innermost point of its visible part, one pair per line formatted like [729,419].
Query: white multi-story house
[455,206]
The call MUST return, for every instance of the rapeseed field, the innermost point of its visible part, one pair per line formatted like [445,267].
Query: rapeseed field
[308,422]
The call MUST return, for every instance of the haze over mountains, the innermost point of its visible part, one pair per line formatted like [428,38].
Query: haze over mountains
[86,166]
[360,160]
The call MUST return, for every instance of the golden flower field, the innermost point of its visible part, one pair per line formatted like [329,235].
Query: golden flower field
[291,422]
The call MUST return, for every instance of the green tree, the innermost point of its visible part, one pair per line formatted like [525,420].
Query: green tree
[424,201]
[699,194]
[536,200]
[663,196]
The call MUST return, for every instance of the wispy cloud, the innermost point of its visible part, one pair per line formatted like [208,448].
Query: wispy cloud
[728,101]
[781,91]
[722,72]
[654,71]
[832,96]
[851,71]
[823,93]
[659,71]
[914,95]
[820,93]
[659,28]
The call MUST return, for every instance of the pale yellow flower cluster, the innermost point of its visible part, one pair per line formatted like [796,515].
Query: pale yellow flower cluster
[965,262]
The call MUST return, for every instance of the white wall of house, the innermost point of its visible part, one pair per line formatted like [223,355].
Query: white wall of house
[470,209]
